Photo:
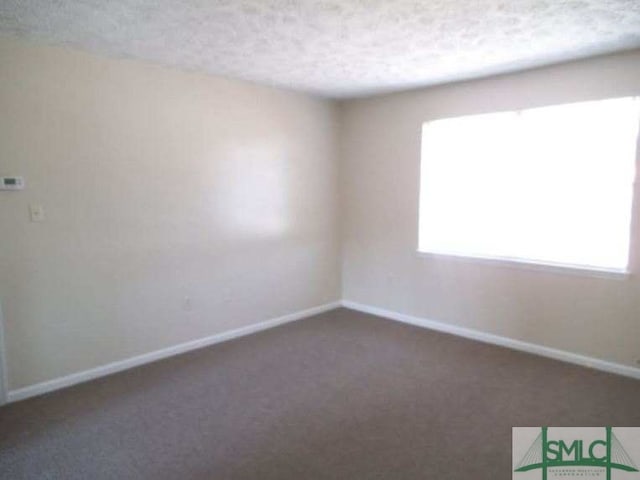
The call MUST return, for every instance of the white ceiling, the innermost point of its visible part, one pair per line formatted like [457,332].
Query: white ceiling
[335,48]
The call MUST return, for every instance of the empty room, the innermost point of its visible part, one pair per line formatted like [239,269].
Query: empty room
[309,240]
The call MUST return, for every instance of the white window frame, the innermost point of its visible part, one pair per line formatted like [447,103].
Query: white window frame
[542,265]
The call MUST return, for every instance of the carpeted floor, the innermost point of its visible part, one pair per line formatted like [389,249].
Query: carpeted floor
[342,395]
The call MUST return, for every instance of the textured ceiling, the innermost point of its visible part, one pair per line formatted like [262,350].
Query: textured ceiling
[334,48]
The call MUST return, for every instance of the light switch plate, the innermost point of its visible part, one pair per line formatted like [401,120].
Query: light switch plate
[36,213]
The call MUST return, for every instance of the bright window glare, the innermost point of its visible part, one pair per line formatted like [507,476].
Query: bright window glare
[549,185]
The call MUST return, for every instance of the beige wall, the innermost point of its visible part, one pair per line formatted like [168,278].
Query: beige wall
[160,185]
[380,179]
[157,185]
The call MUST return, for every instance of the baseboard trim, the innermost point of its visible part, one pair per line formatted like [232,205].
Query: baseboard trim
[478,335]
[3,364]
[119,366]
[556,354]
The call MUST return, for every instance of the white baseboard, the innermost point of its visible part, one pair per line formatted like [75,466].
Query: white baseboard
[3,363]
[108,369]
[507,342]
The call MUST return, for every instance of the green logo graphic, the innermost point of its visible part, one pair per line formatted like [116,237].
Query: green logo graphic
[607,453]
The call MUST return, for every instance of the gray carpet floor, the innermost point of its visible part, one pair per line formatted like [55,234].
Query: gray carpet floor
[342,395]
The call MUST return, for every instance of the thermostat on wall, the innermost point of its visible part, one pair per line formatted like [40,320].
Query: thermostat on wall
[11,183]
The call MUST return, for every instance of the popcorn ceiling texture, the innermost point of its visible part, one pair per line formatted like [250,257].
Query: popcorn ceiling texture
[334,48]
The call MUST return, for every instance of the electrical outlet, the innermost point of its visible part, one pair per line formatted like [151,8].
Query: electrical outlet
[187,304]
[227,295]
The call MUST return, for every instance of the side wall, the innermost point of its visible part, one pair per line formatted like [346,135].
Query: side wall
[380,150]
[177,206]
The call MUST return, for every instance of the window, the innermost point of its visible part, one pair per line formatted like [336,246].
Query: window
[550,185]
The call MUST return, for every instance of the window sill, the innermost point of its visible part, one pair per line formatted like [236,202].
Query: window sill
[517,263]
